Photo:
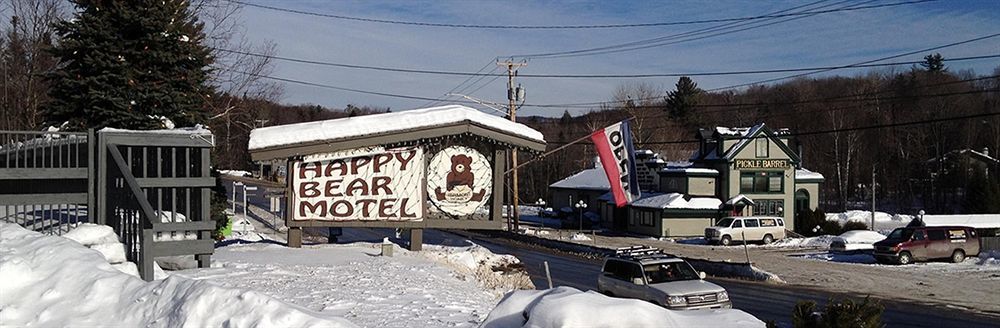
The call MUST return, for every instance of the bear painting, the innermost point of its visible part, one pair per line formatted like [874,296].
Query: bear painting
[460,181]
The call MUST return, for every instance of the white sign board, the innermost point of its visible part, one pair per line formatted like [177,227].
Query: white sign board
[459,180]
[367,184]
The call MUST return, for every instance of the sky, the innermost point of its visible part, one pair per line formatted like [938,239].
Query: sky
[829,39]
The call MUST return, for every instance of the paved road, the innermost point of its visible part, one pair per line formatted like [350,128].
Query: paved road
[765,301]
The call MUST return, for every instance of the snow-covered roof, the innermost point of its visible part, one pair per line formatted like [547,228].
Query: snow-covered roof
[739,198]
[589,179]
[676,201]
[746,139]
[690,170]
[727,131]
[380,124]
[978,221]
[984,155]
[804,174]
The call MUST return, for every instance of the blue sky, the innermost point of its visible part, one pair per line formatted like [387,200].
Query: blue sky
[822,40]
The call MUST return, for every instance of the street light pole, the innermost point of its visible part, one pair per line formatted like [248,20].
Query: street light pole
[581,206]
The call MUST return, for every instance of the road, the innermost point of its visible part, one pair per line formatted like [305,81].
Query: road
[765,301]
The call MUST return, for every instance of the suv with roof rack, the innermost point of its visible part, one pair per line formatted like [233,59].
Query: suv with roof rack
[648,274]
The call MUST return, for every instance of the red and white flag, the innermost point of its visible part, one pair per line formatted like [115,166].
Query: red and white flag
[614,146]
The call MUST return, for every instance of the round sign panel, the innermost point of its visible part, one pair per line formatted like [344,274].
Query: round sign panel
[459,180]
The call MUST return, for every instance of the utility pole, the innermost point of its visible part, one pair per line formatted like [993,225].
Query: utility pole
[513,96]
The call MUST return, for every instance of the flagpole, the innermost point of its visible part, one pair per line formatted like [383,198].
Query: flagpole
[557,149]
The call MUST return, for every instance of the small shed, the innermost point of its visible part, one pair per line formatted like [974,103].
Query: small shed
[439,167]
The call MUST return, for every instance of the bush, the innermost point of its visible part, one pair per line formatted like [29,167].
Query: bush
[808,220]
[854,225]
[842,313]
[831,228]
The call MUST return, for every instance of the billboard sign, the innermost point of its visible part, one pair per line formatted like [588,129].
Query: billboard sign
[364,184]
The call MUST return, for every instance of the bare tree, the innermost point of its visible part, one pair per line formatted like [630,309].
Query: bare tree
[27,35]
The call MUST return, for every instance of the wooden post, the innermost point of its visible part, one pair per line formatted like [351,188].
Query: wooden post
[416,239]
[295,237]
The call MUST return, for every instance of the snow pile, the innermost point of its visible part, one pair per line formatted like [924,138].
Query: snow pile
[569,307]
[537,232]
[235,173]
[104,240]
[579,237]
[51,281]
[990,258]
[883,221]
[497,272]
[859,239]
[369,125]
[818,241]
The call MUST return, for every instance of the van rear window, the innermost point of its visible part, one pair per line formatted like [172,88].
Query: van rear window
[767,222]
[956,234]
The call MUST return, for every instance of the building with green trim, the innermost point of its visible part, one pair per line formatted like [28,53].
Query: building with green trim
[734,171]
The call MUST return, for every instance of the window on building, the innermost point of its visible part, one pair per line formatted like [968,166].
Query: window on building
[647,218]
[762,182]
[762,147]
[769,207]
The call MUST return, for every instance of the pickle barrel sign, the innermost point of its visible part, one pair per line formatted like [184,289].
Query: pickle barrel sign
[365,184]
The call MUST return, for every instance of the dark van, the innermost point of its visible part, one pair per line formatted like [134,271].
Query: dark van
[906,245]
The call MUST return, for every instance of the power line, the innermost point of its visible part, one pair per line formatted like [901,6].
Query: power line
[863,63]
[554,27]
[588,76]
[828,131]
[645,43]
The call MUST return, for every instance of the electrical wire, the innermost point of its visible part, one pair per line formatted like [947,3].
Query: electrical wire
[553,27]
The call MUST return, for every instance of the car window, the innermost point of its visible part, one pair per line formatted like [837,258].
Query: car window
[956,234]
[724,223]
[768,222]
[751,223]
[738,224]
[935,234]
[611,268]
[666,272]
[918,235]
[634,271]
[781,222]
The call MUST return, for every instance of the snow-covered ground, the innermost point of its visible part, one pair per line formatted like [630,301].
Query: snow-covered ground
[985,262]
[569,307]
[51,281]
[354,282]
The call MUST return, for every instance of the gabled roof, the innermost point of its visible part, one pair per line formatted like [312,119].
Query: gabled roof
[755,132]
[370,130]
[589,179]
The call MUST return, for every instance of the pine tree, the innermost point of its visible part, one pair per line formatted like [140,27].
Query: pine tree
[681,102]
[128,62]
[933,63]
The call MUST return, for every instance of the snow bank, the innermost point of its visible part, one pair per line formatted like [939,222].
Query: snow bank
[50,281]
[89,234]
[883,221]
[990,258]
[818,241]
[580,237]
[499,273]
[569,307]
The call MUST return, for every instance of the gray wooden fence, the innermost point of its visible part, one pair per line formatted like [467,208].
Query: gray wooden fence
[152,188]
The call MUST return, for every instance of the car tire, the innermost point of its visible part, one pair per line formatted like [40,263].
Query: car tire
[726,241]
[904,258]
[767,239]
[958,256]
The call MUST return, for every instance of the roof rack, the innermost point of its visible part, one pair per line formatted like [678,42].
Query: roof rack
[640,253]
